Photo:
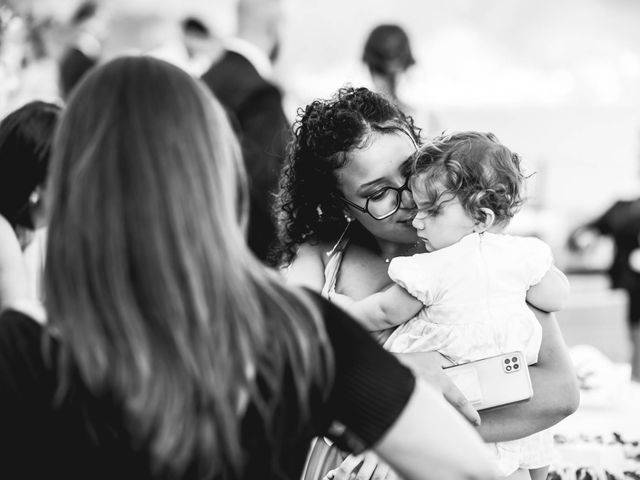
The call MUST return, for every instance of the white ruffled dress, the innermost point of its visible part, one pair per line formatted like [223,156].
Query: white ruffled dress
[474,295]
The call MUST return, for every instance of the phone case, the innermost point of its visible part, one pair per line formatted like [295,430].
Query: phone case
[493,382]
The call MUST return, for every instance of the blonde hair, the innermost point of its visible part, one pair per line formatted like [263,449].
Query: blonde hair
[150,286]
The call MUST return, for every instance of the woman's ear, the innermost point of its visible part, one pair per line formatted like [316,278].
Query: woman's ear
[487,223]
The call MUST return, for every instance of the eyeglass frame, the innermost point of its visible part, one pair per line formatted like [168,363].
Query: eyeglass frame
[365,209]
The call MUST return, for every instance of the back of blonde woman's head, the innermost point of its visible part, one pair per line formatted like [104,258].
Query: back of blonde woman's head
[149,283]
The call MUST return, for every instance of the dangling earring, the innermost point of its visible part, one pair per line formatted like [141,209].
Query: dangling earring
[344,232]
[34,198]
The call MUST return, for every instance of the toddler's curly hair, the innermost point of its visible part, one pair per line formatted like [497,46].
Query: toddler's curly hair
[309,205]
[475,168]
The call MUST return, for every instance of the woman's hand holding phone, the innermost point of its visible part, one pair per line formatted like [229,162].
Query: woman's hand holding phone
[429,366]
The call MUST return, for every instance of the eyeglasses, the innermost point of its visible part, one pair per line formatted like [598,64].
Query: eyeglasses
[383,203]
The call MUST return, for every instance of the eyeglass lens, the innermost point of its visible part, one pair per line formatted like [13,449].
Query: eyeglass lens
[387,202]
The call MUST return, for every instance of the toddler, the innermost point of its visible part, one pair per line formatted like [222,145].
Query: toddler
[466,298]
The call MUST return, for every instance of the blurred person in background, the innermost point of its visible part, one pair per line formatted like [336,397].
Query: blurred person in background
[170,351]
[201,46]
[85,48]
[621,222]
[388,56]
[25,146]
[241,80]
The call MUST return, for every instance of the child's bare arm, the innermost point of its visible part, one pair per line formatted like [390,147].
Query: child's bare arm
[550,293]
[381,310]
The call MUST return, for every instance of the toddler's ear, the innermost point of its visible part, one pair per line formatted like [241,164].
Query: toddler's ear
[487,223]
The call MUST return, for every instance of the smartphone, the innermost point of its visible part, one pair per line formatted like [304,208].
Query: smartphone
[493,382]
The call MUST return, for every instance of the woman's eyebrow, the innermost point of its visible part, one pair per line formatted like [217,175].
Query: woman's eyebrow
[366,186]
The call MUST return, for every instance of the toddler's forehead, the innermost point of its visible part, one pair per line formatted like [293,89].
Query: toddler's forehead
[426,190]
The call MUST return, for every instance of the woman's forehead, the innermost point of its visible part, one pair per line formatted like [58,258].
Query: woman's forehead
[383,155]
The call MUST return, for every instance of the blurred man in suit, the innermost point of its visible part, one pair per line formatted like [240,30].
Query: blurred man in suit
[621,221]
[241,80]
[85,48]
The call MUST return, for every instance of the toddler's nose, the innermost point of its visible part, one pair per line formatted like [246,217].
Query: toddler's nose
[417,223]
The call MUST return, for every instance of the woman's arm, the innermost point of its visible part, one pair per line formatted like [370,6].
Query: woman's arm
[429,440]
[550,293]
[428,366]
[14,284]
[555,388]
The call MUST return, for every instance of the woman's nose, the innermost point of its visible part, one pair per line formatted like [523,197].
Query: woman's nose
[417,223]
[407,199]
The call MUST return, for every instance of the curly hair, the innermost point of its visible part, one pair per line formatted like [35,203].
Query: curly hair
[475,168]
[308,204]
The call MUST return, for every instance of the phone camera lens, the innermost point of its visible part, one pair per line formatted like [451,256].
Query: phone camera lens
[516,366]
[506,360]
[514,359]
[508,368]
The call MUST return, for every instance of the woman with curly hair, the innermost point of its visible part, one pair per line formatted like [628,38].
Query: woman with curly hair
[345,210]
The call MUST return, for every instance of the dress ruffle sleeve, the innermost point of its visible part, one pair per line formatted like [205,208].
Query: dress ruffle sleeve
[417,275]
[539,259]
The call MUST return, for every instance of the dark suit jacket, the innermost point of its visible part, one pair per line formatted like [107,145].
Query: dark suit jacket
[73,66]
[254,106]
[622,222]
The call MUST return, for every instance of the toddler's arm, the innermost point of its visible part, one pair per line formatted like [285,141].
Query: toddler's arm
[550,293]
[381,310]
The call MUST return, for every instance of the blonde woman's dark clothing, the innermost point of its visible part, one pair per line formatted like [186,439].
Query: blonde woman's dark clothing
[85,435]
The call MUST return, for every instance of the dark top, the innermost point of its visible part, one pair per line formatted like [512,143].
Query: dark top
[254,106]
[85,437]
[622,222]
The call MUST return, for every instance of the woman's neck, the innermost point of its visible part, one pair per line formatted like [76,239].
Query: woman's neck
[389,250]
[385,249]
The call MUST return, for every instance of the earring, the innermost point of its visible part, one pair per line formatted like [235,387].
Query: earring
[348,218]
[34,198]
